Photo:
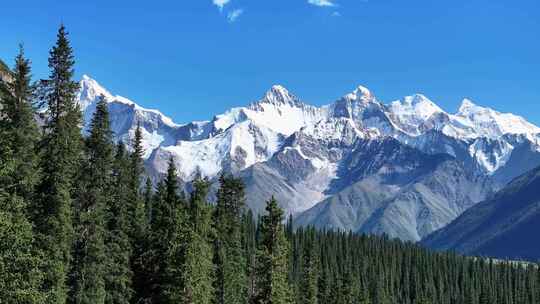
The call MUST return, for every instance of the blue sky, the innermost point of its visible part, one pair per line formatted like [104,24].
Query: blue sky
[195,58]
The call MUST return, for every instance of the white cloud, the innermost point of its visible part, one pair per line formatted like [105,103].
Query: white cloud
[221,3]
[234,14]
[336,14]
[322,2]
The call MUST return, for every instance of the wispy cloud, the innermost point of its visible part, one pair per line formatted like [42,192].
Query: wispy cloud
[322,2]
[336,14]
[221,3]
[234,14]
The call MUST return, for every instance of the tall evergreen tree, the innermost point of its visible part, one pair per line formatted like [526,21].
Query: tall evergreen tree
[138,218]
[19,129]
[308,292]
[94,193]
[62,146]
[167,228]
[119,277]
[231,273]
[197,269]
[272,286]
[20,261]
[148,197]
[136,207]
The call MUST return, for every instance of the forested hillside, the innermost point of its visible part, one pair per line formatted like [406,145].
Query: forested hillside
[77,227]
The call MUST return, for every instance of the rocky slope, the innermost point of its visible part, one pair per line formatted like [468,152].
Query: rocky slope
[5,73]
[504,226]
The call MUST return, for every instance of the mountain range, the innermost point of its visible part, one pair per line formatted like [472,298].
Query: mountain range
[405,168]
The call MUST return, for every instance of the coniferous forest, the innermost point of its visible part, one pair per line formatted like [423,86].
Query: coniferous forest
[81,223]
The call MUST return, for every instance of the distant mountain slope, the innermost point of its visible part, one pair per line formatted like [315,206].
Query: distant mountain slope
[505,226]
[397,190]
[4,71]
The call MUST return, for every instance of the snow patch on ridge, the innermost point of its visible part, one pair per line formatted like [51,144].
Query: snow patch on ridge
[490,123]
[243,144]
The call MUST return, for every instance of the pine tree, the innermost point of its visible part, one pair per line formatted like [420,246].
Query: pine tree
[21,263]
[93,196]
[310,274]
[19,129]
[272,286]
[119,276]
[197,269]
[61,151]
[136,207]
[148,198]
[166,238]
[138,218]
[229,259]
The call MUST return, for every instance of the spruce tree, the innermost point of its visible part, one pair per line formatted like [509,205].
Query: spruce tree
[119,276]
[21,262]
[272,286]
[148,198]
[138,218]
[136,207]
[19,129]
[308,292]
[197,269]
[166,239]
[94,193]
[61,152]
[231,273]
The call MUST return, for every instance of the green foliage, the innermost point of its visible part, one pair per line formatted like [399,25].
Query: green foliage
[20,262]
[119,277]
[138,219]
[61,152]
[93,196]
[229,258]
[136,207]
[19,129]
[167,235]
[272,286]
[197,269]
[308,289]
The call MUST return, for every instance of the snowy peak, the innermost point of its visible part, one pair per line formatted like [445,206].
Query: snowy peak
[490,123]
[279,95]
[415,114]
[467,106]
[361,93]
[90,91]
[418,106]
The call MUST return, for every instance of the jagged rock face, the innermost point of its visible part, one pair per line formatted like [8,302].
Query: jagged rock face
[354,164]
[389,188]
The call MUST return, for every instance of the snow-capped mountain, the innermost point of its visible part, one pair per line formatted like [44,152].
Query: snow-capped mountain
[315,160]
